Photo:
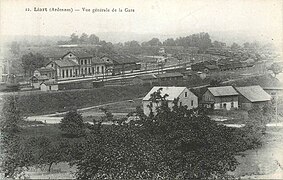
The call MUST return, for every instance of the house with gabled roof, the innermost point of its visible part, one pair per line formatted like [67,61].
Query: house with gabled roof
[251,96]
[186,98]
[50,85]
[76,64]
[223,97]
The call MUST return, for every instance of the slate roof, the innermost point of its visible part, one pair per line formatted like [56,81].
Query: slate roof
[46,69]
[50,82]
[80,54]
[97,60]
[222,91]
[254,93]
[65,63]
[173,92]
[168,75]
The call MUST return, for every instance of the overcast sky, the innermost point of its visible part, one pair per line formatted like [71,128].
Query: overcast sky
[169,17]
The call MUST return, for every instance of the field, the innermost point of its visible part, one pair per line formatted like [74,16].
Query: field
[46,103]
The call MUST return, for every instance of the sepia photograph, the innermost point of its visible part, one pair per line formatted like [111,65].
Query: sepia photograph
[153,89]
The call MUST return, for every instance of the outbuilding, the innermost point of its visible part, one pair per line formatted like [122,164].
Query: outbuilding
[251,96]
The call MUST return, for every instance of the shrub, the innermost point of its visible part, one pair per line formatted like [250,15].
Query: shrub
[72,124]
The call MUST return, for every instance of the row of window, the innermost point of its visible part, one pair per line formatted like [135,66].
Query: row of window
[85,61]
[224,105]
[84,71]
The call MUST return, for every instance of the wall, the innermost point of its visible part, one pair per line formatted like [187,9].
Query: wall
[182,99]
[188,100]
[221,101]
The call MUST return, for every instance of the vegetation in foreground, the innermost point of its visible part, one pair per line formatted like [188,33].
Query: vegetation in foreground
[171,144]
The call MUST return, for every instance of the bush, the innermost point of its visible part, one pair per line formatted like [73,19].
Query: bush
[72,124]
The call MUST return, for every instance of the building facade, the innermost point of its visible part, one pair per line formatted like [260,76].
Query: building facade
[185,96]
[224,97]
[77,64]
[252,96]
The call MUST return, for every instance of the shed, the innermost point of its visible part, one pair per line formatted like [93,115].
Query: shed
[49,86]
[251,96]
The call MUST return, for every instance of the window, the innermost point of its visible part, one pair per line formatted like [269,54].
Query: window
[85,61]
[221,105]
[232,104]
[186,94]
[71,73]
[225,105]
[67,73]
[82,71]
[180,103]
[63,73]
[89,71]
[82,62]
[97,70]
[92,70]
[102,69]
[76,71]
[52,65]
[192,102]
[85,70]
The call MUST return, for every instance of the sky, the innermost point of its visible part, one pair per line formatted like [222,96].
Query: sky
[259,18]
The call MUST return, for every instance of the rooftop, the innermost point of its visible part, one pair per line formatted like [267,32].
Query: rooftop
[223,91]
[254,93]
[173,92]
[65,63]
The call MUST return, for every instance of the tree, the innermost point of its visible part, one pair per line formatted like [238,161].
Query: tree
[84,38]
[154,42]
[275,68]
[172,144]
[31,62]
[134,44]
[11,116]
[15,48]
[74,38]
[218,44]
[72,124]
[169,42]
[10,128]
[235,46]
[215,82]
[93,39]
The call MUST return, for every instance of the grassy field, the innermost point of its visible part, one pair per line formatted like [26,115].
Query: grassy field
[45,103]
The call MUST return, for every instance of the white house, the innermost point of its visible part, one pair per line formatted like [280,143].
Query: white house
[186,97]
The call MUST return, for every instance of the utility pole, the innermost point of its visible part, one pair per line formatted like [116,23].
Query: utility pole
[276,108]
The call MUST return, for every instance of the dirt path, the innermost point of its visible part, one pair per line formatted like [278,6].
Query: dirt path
[265,162]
